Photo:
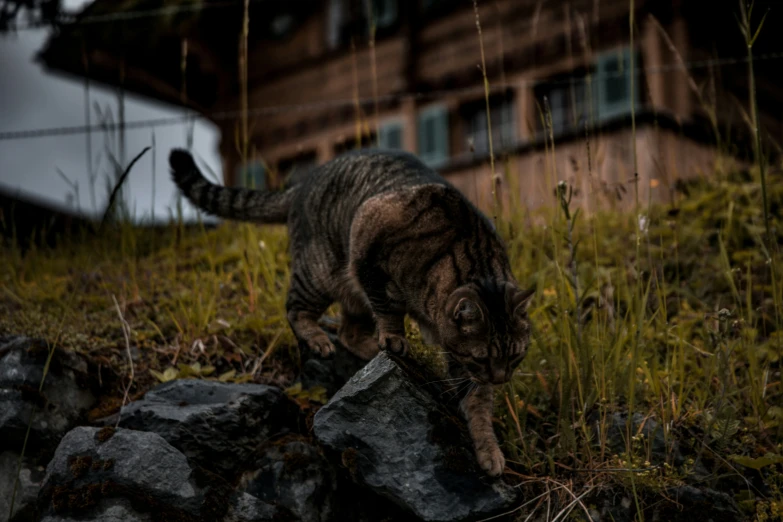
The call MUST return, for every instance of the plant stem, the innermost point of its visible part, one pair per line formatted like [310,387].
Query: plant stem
[493,176]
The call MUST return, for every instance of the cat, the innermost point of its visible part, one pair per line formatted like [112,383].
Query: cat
[385,236]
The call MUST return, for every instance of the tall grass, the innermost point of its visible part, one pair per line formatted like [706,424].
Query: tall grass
[493,174]
[665,314]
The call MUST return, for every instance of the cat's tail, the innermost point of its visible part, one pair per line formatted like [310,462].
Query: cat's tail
[239,204]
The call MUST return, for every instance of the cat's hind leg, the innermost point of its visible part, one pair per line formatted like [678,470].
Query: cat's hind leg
[304,305]
[357,330]
[389,313]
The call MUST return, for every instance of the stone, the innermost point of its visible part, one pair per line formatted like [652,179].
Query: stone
[30,477]
[396,439]
[106,511]
[61,404]
[94,466]
[218,426]
[245,507]
[296,476]
[330,373]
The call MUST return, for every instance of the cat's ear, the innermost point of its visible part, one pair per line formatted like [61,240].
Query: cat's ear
[467,311]
[520,301]
[464,310]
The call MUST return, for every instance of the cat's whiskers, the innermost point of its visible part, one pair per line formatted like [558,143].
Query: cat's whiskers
[450,388]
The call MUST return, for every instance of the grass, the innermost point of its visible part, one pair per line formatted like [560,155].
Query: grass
[669,312]
[700,350]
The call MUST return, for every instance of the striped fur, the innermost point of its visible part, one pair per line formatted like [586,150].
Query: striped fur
[231,203]
[385,236]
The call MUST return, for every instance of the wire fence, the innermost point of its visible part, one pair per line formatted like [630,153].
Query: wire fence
[218,116]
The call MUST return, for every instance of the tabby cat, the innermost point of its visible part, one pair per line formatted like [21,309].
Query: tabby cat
[385,236]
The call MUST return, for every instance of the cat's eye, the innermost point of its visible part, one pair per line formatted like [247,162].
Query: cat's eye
[517,357]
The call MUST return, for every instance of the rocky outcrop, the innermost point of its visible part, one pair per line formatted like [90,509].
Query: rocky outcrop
[293,474]
[395,439]
[386,447]
[29,482]
[49,410]
[331,373]
[94,465]
[218,426]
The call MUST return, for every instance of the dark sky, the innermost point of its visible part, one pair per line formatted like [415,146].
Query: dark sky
[31,99]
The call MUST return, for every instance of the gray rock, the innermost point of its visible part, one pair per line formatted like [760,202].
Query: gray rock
[61,404]
[106,511]
[93,465]
[295,475]
[217,425]
[30,477]
[397,440]
[331,373]
[247,508]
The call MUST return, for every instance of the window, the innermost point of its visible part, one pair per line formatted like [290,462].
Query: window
[567,103]
[384,12]
[281,25]
[350,19]
[501,112]
[613,83]
[295,169]
[433,136]
[390,135]
[252,175]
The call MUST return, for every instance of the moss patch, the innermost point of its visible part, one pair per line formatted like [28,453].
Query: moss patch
[105,433]
[79,466]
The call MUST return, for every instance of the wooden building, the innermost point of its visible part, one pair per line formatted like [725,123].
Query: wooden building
[563,78]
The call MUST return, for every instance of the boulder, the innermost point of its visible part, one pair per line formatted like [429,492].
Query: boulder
[105,511]
[293,474]
[245,507]
[396,439]
[218,426]
[60,405]
[29,483]
[330,373]
[93,469]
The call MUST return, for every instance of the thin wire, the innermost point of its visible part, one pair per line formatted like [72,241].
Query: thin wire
[74,19]
[315,106]
[71,20]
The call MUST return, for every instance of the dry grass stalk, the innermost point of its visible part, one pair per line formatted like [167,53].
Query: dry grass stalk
[126,330]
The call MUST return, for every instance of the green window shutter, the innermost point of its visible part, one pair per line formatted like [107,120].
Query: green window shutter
[390,135]
[615,92]
[433,136]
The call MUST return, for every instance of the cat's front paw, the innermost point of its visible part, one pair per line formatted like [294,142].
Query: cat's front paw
[491,460]
[393,343]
